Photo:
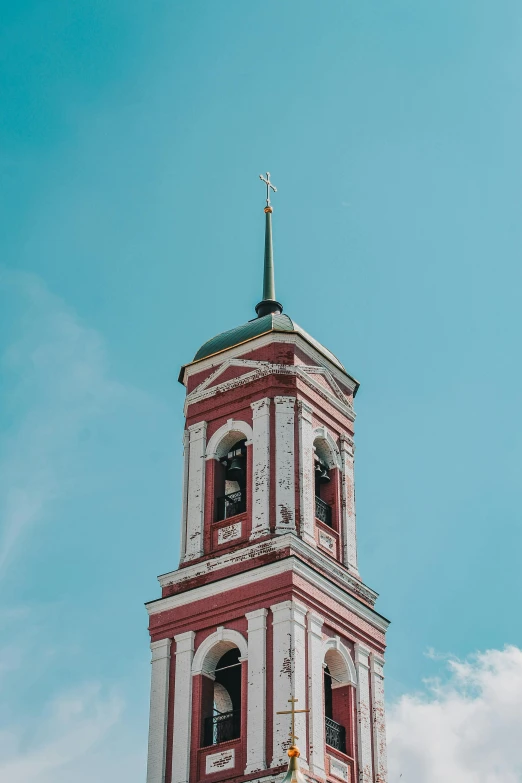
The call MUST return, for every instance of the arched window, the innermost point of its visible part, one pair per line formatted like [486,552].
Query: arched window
[326,478]
[221,703]
[230,483]
[339,702]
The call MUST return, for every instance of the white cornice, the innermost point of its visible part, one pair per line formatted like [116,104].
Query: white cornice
[259,342]
[276,544]
[247,578]
[260,369]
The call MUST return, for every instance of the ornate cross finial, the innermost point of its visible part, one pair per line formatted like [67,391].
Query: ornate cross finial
[269,185]
[293,712]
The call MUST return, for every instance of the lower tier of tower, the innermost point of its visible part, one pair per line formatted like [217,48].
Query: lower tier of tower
[227,659]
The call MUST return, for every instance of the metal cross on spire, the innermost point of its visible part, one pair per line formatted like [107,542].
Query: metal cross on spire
[269,186]
[293,712]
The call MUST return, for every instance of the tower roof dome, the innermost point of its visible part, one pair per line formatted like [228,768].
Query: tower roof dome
[273,322]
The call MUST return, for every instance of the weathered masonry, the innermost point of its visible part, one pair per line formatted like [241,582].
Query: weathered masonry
[267,603]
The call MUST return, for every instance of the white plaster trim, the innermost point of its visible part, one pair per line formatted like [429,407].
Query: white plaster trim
[196,491]
[322,433]
[182,707]
[184,494]
[256,696]
[316,727]
[364,727]
[249,553]
[232,425]
[261,468]
[304,372]
[285,464]
[268,339]
[214,646]
[334,643]
[306,483]
[158,714]
[289,675]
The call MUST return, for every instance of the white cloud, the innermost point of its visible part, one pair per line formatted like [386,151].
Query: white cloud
[466,729]
[58,381]
[71,726]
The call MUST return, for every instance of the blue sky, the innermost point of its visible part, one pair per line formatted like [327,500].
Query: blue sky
[131,138]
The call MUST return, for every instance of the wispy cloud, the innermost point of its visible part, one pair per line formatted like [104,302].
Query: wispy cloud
[57,381]
[70,726]
[466,729]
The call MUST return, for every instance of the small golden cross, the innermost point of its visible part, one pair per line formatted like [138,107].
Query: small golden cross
[293,712]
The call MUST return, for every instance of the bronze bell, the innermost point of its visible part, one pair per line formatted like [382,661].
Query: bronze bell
[324,476]
[236,470]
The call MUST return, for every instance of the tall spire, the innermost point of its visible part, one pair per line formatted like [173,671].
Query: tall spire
[268,304]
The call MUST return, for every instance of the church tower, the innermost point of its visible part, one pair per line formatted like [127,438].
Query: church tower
[266,622]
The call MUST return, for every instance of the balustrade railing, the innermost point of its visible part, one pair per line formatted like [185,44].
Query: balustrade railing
[323,511]
[335,735]
[222,727]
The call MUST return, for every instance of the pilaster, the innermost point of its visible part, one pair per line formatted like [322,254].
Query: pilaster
[378,718]
[289,676]
[364,729]
[184,495]
[182,707]
[159,694]
[306,472]
[196,491]
[315,694]
[261,468]
[285,464]
[256,697]
[349,535]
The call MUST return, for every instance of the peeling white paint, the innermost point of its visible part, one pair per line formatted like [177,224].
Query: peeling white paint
[289,676]
[256,696]
[261,468]
[306,471]
[182,707]
[348,506]
[196,491]
[159,694]
[364,729]
[217,762]
[285,464]
[378,718]
[229,533]
[315,694]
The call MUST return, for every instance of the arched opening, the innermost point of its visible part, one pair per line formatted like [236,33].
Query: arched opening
[326,484]
[221,703]
[230,482]
[338,702]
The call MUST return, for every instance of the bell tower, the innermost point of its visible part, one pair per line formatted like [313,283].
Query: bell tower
[267,607]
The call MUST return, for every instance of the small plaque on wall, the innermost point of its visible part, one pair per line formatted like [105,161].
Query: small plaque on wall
[339,770]
[229,533]
[327,541]
[218,761]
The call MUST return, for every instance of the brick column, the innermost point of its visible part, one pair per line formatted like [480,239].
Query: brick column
[315,694]
[285,464]
[364,729]
[182,707]
[261,468]
[349,538]
[196,491]
[378,718]
[159,694]
[306,473]
[256,696]
[289,675]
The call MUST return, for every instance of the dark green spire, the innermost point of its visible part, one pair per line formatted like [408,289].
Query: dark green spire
[268,304]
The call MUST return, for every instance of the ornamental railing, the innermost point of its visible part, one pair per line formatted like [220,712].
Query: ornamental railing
[323,511]
[222,727]
[230,505]
[335,735]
